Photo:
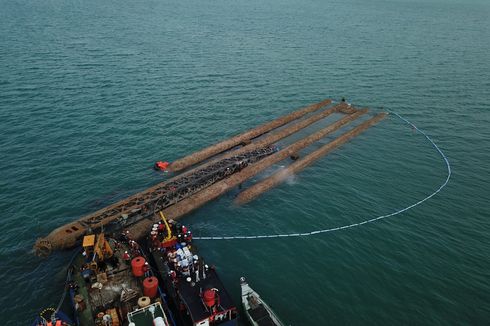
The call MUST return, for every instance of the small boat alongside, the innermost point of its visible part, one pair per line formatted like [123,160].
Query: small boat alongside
[257,311]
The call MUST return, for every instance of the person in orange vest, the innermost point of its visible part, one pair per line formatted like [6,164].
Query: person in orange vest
[134,245]
[161,227]
[57,323]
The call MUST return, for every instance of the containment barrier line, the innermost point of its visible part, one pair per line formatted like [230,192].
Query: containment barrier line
[210,151]
[371,220]
[272,181]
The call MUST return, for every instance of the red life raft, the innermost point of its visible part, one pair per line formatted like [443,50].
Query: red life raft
[162,166]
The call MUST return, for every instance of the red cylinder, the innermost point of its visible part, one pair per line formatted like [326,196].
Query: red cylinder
[150,286]
[137,265]
[208,297]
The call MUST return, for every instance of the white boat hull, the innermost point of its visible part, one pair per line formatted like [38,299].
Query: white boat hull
[257,311]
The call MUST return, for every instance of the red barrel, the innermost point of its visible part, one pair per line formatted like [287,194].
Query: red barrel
[150,286]
[137,265]
[208,297]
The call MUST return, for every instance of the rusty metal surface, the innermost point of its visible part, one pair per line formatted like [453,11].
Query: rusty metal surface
[67,235]
[273,137]
[245,137]
[272,181]
[214,191]
[143,204]
[289,130]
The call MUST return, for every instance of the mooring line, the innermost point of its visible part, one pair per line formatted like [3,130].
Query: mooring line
[349,226]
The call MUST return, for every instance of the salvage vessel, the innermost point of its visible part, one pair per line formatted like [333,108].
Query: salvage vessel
[194,288]
[110,282]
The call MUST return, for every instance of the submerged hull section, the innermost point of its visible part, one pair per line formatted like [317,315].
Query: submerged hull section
[146,203]
[243,138]
[221,172]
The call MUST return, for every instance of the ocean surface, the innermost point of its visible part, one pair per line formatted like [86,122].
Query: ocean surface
[93,92]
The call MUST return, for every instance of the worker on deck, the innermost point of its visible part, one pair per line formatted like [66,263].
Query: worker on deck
[134,245]
[126,258]
[146,269]
[161,227]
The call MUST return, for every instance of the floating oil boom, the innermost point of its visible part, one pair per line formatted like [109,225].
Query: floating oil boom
[213,171]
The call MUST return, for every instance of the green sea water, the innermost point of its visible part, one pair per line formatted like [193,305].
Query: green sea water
[93,92]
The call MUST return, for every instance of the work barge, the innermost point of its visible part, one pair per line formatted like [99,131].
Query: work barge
[209,173]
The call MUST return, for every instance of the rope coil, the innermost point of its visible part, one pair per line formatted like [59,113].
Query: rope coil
[348,226]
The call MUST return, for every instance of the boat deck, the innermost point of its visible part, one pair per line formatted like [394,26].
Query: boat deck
[117,287]
[261,316]
[192,299]
[190,293]
[145,316]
